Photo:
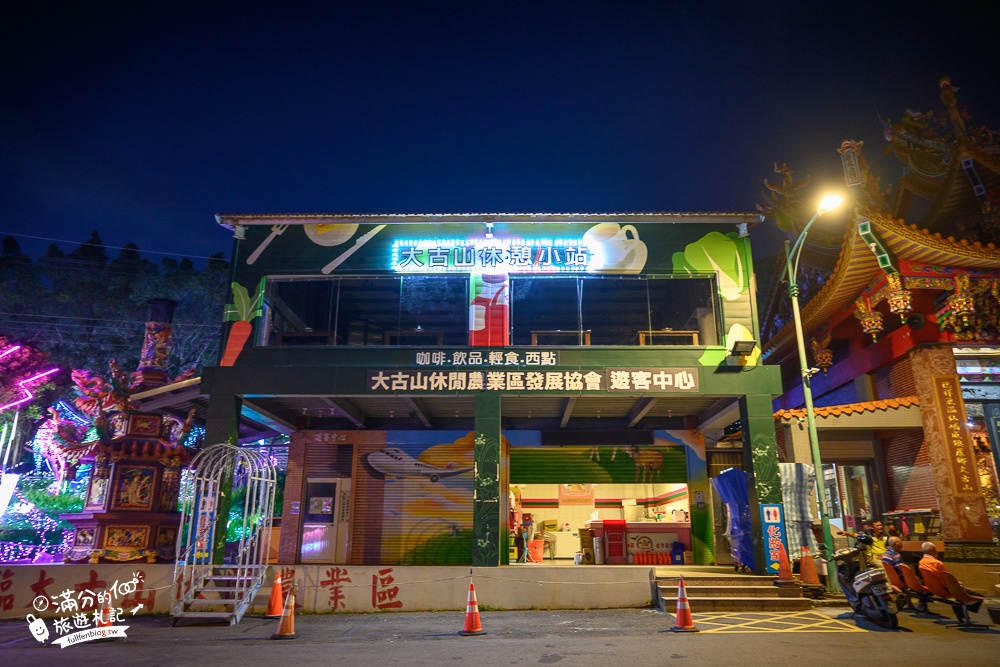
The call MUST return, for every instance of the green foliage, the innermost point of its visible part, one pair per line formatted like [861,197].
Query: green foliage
[234,525]
[243,308]
[19,531]
[442,549]
[35,487]
[85,309]
[36,490]
[18,365]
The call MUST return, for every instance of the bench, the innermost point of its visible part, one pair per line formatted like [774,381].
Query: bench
[951,591]
[908,590]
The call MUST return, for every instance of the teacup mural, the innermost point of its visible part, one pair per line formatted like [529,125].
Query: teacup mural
[615,249]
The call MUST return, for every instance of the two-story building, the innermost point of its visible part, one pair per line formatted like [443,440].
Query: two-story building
[449,381]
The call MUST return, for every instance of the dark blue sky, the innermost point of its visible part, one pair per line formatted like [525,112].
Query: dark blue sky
[144,119]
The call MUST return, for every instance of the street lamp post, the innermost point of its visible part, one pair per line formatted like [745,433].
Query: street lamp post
[792,253]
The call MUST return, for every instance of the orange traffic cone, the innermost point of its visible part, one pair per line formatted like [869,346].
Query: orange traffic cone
[286,626]
[473,626]
[275,605]
[682,619]
[107,614]
[807,569]
[785,577]
[106,619]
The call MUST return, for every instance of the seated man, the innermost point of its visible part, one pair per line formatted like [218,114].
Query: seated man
[879,542]
[933,570]
[930,566]
[893,558]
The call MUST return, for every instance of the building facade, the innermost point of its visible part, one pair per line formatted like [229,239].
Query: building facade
[450,382]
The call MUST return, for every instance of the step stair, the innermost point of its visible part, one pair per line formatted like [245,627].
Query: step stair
[219,596]
[730,593]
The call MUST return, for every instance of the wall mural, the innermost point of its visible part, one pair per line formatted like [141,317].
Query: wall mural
[241,312]
[481,247]
[428,482]
[426,515]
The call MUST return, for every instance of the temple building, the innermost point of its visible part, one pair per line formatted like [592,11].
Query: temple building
[901,318]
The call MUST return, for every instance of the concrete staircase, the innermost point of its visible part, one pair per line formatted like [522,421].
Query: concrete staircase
[734,592]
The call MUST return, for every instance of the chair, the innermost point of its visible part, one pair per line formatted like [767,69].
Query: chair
[966,602]
[914,586]
[936,584]
[903,600]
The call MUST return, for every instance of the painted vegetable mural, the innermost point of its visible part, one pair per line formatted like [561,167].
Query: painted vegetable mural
[721,254]
[241,312]
[725,255]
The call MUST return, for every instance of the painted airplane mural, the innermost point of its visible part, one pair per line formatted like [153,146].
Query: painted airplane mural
[397,463]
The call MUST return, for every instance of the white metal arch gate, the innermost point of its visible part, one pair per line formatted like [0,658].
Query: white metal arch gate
[203,588]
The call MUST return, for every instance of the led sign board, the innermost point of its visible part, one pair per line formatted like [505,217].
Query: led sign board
[496,255]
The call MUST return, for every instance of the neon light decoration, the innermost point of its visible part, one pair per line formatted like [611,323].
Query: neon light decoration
[490,256]
[27,393]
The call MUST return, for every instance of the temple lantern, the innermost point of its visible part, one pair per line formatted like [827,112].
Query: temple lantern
[871,320]
[151,372]
[900,299]
[962,303]
[821,352]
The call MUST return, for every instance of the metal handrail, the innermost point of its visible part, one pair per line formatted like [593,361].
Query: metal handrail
[193,571]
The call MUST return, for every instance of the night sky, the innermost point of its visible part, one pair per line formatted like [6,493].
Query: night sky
[143,119]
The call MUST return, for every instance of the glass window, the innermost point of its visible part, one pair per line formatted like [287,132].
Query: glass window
[605,310]
[547,308]
[431,310]
[382,310]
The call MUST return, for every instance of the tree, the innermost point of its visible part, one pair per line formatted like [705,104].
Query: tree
[85,310]
[19,279]
[83,323]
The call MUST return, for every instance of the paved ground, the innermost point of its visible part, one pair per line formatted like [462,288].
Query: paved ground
[824,636]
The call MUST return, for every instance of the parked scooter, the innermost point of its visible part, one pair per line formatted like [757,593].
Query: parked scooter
[865,588]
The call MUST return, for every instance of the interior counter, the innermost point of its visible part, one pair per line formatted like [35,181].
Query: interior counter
[649,536]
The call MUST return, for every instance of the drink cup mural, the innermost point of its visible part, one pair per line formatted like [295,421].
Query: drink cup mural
[489,322]
[615,249]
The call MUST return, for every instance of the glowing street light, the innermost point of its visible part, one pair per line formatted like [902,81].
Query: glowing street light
[792,254]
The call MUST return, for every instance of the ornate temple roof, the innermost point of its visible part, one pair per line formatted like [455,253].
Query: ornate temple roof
[945,213]
[857,266]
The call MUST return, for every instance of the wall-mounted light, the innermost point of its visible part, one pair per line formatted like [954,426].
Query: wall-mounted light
[742,348]
[489,230]
[239,232]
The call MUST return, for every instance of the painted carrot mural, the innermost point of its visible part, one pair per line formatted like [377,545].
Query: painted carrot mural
[241,312]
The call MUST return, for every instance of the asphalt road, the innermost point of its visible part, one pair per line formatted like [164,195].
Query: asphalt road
[609,638]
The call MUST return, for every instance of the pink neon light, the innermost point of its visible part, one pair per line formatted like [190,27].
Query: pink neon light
[27,394]
[9,350]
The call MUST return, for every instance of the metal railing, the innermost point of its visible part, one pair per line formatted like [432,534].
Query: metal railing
[197,564]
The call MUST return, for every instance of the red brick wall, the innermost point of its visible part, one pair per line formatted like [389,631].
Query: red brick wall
[908,469]
[895,380]
[779,434]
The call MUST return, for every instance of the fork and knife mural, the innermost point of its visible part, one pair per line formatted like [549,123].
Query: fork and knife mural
[327,235]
